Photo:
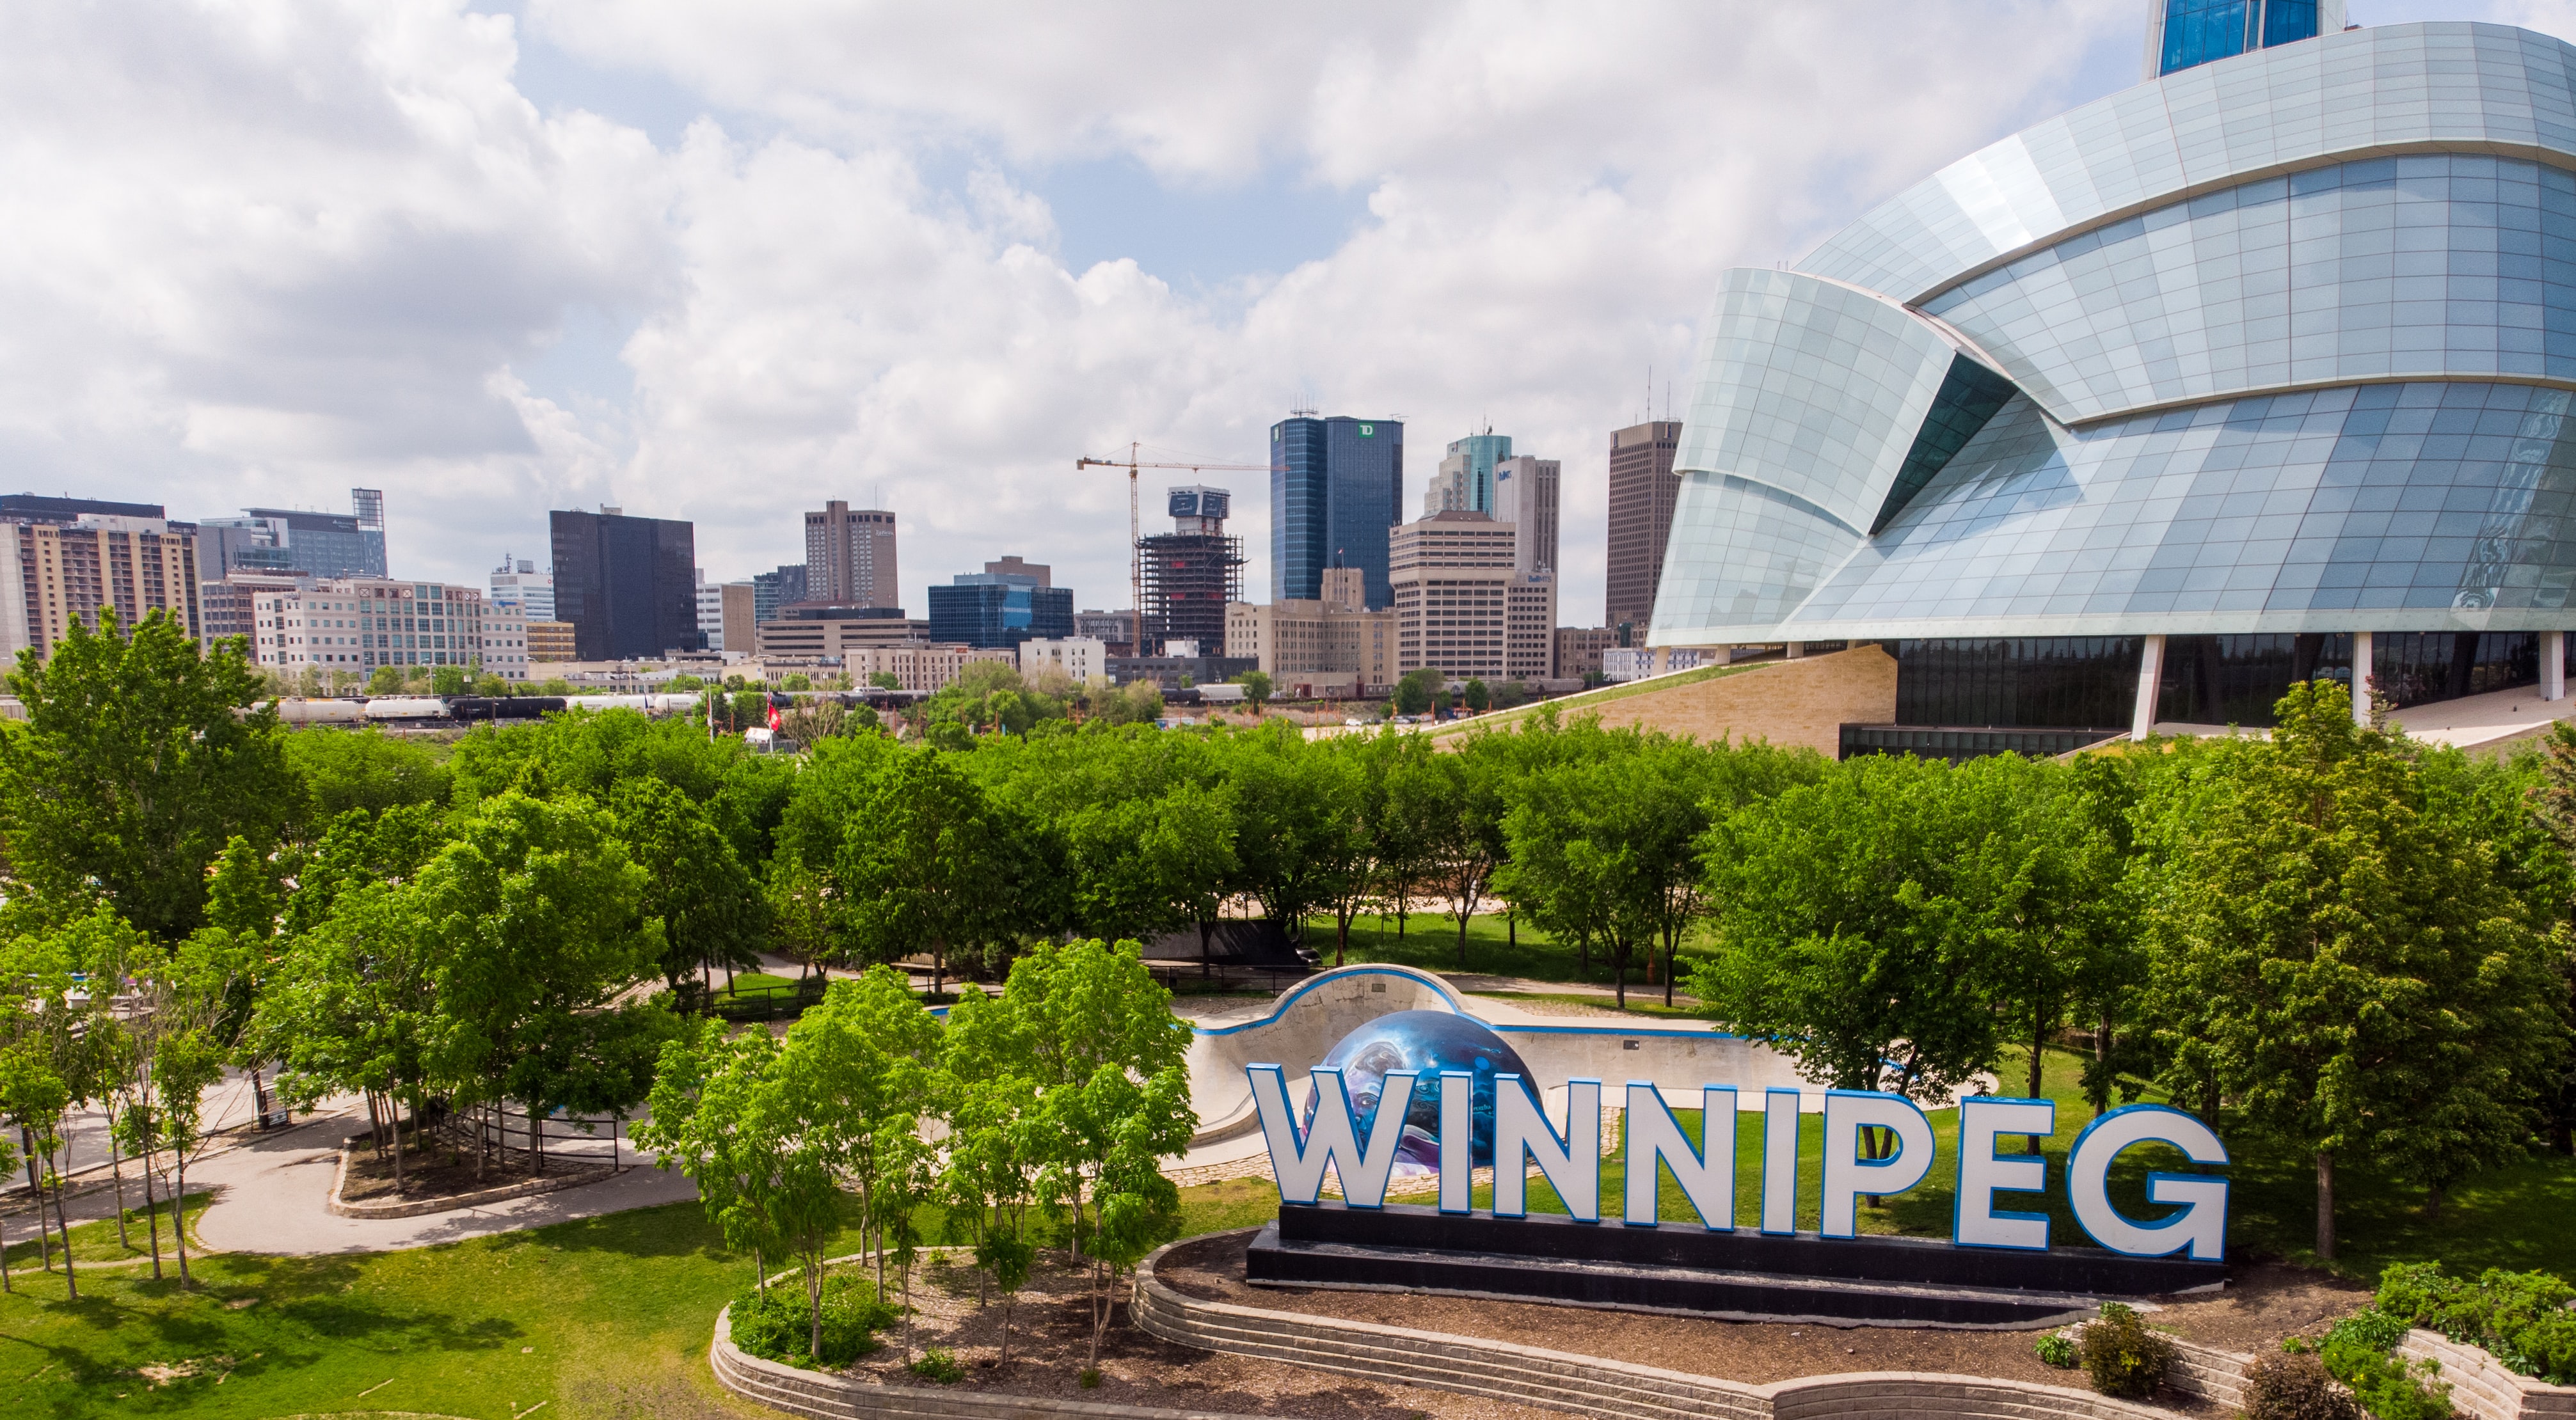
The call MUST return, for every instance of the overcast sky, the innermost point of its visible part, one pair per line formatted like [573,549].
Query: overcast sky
[724,261]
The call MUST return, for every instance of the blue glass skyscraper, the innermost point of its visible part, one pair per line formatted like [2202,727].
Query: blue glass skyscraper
[2182,34]
[1336,493]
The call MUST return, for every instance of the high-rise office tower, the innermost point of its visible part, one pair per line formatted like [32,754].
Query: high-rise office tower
[627,585]
[1336,493]
[1191,572]
[1642,487]
[287,539]
[1467,472]
[2182,34]
[1000,609]
[773,592]
[849,557]
[519,584]
[711,613]
[1525,495]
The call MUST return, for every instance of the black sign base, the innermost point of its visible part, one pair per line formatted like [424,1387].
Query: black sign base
[1743,1275]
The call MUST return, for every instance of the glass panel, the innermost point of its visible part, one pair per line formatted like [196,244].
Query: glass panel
[2198,31]
[2043,681]
[1969,396]
[2285,21]
[2418,668]
[2236,680]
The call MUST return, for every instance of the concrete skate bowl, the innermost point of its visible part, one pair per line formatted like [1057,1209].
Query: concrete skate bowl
[1307,1020]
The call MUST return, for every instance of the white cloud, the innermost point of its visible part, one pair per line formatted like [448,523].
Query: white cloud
[268,251]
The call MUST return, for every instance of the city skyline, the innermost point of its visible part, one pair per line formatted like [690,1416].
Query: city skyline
[1181,262]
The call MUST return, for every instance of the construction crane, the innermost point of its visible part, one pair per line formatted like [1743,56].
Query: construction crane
[1135,525]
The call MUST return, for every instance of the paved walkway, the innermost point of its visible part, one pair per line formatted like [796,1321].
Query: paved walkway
[269,1195]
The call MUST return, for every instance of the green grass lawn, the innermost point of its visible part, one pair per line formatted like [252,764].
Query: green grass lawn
[1570,706]
[754,984]
[605,1316]
[1495,947]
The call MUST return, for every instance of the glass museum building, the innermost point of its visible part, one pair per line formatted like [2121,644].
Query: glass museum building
[2262,370]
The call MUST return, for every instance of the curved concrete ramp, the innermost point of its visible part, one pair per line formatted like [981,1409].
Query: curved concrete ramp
[1307,1020]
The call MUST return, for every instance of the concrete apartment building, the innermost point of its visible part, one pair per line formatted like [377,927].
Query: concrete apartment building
[61,559]
[850,557]
[1081,657]
[354,624]
[1643,488]
[550,641]
[1332,645]
[1525,495]
[919,665]
[1463,606]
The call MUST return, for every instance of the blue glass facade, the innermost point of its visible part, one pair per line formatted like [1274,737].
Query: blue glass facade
[986,610]
[1336,494]
[2196,32]
[2251,360]
[1482,452]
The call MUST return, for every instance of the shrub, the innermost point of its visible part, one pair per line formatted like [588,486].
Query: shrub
[2120,1355]
[2293,1385]
[2520,1318]
[1089,1378]
[2356,1352]
[939,1366]
[777,1327]
[2057,1349]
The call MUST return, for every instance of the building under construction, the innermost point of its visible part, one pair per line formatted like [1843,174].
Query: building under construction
[1191,572]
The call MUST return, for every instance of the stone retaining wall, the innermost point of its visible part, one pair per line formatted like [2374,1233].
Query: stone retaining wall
[2484,1389]
[801,1392]
[1591,1385]
[419,1207]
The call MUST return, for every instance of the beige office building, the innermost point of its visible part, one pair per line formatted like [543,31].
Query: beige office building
[1525,495]
[1463,606]
[1333,645]
[823,631]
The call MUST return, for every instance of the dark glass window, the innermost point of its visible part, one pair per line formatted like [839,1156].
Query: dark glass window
[2420,667]
[2198,31]
[2236,680]
[2288,20]
[2017,681]
[1969,396]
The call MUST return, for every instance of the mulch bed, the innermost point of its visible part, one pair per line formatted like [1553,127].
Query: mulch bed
[2263,1303]
[428,1173]
[1050,1324]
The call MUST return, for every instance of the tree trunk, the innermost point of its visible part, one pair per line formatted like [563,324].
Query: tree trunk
[5,1285]
[1668,970]
[36,1191]
[1341,937]
[63,1220]
[1462,941]
[179,1213]
[2038,1036]
[399,1185]
[1004,1363]
[151,1210]
[1619,974]
[2433,1203]
[116,1166]
[2325,1206]
[2102,1052]
[1512,927]
[814,1309]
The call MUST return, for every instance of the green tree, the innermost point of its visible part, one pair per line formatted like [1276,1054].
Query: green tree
[2356,982]
[362,769]
[1416,692]
[865,1065]
[133,770]
[1256,689]
[710,907]
[386,680]
[924,868]
[447,680]
[997,1143]
[886,680]
[1454,805]
[1474,696]
[1839,936]
[534,912]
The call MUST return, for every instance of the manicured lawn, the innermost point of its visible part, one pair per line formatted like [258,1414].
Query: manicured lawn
[605,1316]
[1495,947]
[754,984]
